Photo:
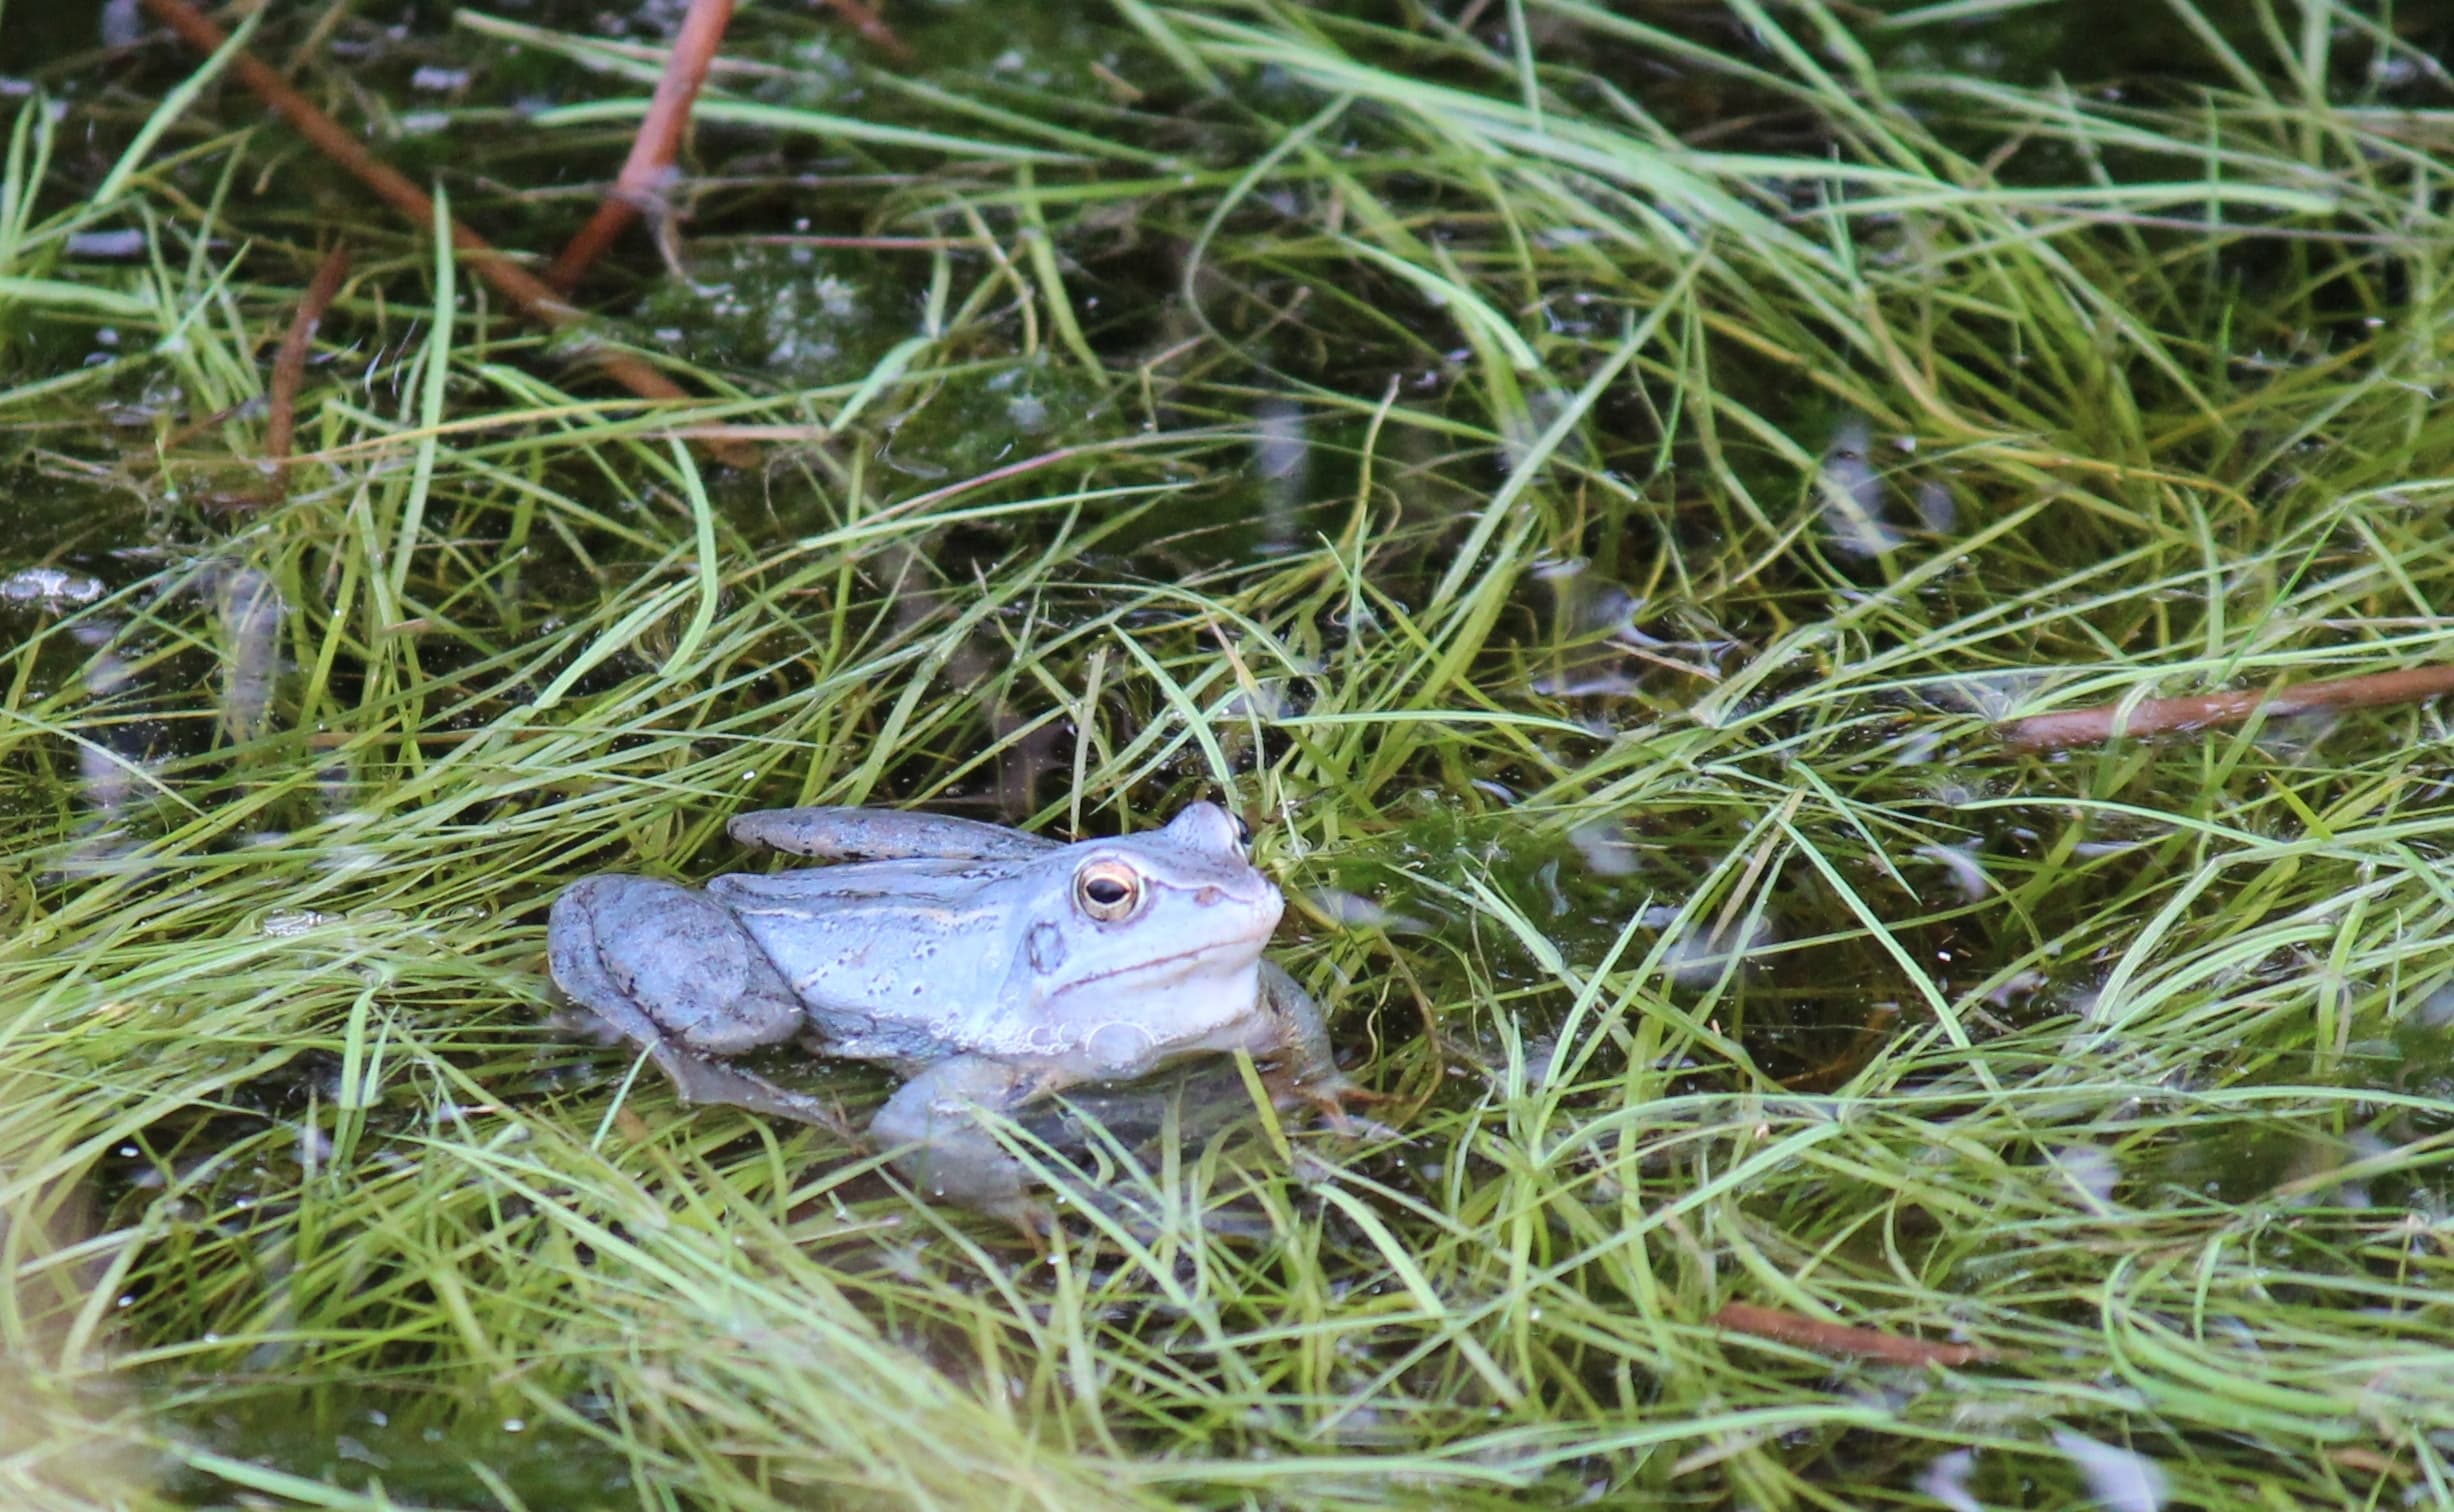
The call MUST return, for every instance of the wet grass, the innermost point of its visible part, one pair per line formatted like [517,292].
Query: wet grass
[1581,484]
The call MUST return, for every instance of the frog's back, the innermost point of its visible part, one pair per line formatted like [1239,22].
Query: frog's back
[891,960]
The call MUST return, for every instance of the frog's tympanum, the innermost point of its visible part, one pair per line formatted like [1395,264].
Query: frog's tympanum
[989,966]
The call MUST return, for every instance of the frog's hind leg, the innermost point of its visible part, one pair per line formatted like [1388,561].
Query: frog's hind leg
[672,972]
[948,1153]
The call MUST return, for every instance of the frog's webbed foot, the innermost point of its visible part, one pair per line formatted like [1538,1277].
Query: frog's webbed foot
[947,1152]
[860,834]
[706,1081]
[1234,1221]
[1331,1098]
[1307,1073]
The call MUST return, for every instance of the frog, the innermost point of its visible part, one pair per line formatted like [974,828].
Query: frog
[990,967]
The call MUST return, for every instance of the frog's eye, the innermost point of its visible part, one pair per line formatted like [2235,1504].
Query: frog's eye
[1244,832]
[1108,890]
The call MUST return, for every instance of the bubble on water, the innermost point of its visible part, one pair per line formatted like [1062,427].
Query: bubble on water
[1990,695]
[1027,413]
[50,586]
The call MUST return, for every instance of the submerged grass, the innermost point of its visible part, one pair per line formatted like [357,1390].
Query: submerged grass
[1583,484]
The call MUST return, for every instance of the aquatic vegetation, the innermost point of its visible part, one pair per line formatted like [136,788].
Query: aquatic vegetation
[1583,486]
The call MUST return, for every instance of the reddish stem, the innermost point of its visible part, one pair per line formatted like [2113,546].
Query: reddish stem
[515,283]
[872,28]
[2165,716]
[1841,1339]
[646,171]
[290,363]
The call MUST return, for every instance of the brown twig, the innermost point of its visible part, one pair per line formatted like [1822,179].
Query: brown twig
[650,165]
[1841,1339]
[290,363]
[872,28]
[2165,716]
[858,243]
[515,283]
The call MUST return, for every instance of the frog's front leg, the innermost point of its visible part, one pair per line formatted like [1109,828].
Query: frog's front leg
[1296,1034]
[947,1152]
[861,834]
[675,973]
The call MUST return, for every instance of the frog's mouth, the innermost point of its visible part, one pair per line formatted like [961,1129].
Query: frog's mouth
[1160,965]
[1183,963]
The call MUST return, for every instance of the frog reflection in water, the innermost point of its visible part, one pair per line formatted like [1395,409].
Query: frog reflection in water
[990,966]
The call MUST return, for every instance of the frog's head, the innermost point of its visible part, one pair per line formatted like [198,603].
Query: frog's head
[1157,938]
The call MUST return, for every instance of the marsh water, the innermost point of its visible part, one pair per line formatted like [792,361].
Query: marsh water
[1548,467]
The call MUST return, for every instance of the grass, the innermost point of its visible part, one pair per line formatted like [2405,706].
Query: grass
[1582,484]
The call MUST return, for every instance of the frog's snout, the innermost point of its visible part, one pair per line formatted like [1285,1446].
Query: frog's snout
[1258,900]
[1265,902]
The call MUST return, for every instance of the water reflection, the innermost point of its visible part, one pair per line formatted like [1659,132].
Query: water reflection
[1282,459]
[1606,846]
[1352,910]
[1699,955]
[2092,1172]
[1946,1480]
[1025,751]
[1936,509]
[2119,1479]
[59,1445]
[1597,649]
[111,756]
[251,613]
[1966,871]
[122,735]
[1852,495]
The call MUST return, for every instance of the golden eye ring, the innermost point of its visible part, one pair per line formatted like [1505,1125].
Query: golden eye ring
[1108,891]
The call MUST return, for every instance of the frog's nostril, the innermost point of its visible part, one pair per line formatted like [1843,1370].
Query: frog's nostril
[1208,896]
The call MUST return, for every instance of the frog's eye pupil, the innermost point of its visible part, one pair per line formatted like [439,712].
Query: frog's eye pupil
[1108,891]
[1244,833]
